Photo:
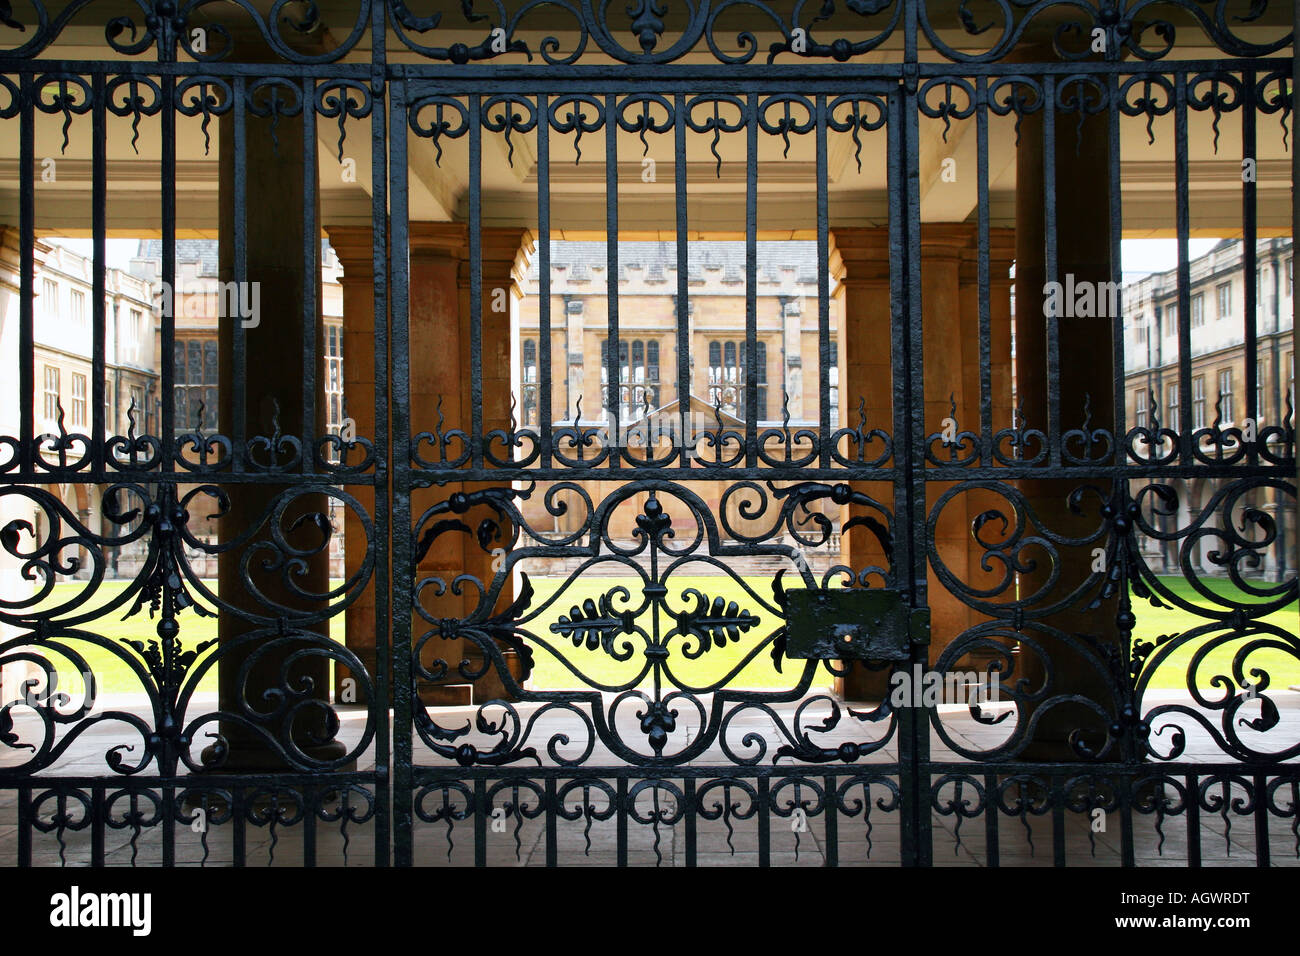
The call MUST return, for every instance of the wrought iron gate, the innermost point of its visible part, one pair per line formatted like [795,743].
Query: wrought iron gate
[1056,499]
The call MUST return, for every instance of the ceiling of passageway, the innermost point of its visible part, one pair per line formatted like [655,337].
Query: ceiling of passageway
[716,173]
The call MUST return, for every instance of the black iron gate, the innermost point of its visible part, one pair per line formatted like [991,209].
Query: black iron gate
[647,751]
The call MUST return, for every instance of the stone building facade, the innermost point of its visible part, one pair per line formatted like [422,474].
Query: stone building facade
[649,403]
[1219,362]
[200,303]
[62,330]
[63,360]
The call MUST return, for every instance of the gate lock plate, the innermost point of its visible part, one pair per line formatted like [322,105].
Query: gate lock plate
[873,624]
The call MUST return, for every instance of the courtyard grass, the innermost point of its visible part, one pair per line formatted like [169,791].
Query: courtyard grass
[550,673]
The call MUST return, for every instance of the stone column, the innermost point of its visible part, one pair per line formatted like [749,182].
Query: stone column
[440,385]
[439,376]
[274,246]
[354,246]
[500,252]
[951,346]
[865,376]
[950,349]
[1083,249]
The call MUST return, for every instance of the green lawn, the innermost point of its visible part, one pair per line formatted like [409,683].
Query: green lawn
[551,673]
[1283,669]
[112,673]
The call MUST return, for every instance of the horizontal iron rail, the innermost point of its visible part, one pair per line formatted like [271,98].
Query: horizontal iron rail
[632,79]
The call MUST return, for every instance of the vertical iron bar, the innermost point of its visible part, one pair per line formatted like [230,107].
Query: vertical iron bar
[97,826]
[1050,259]
[476,277]
[683,282]
[764,822]
[1126,821]
[900,316]
[915,721]
[552,813]
[991,849]
[384,526]
[982,278]
[1183,218]
[1193,803]
[831,808]
[1116,268]
[99,321]
[167,379]
[480,820]
[27,240]
[400,622]
[1058,821]
[169,826]
[544,384]
[1261,821]
[621,810]
[691,820]
[1249,215]
[751,281]
[311,274]
[239,349]
[613,389]
[826,427]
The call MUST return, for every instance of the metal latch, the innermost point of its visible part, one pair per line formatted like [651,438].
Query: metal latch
[862,624]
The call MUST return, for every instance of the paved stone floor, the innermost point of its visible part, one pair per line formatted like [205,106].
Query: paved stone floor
[1227,837]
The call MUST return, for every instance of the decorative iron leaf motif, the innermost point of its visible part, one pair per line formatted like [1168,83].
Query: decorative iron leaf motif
[596,624]
[163,592]
[714,623]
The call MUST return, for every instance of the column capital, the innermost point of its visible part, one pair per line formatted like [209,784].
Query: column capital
[503,250]
[946,239]
[438,239]
[355,247]
[859,254]
[1002,253]
[503,253]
